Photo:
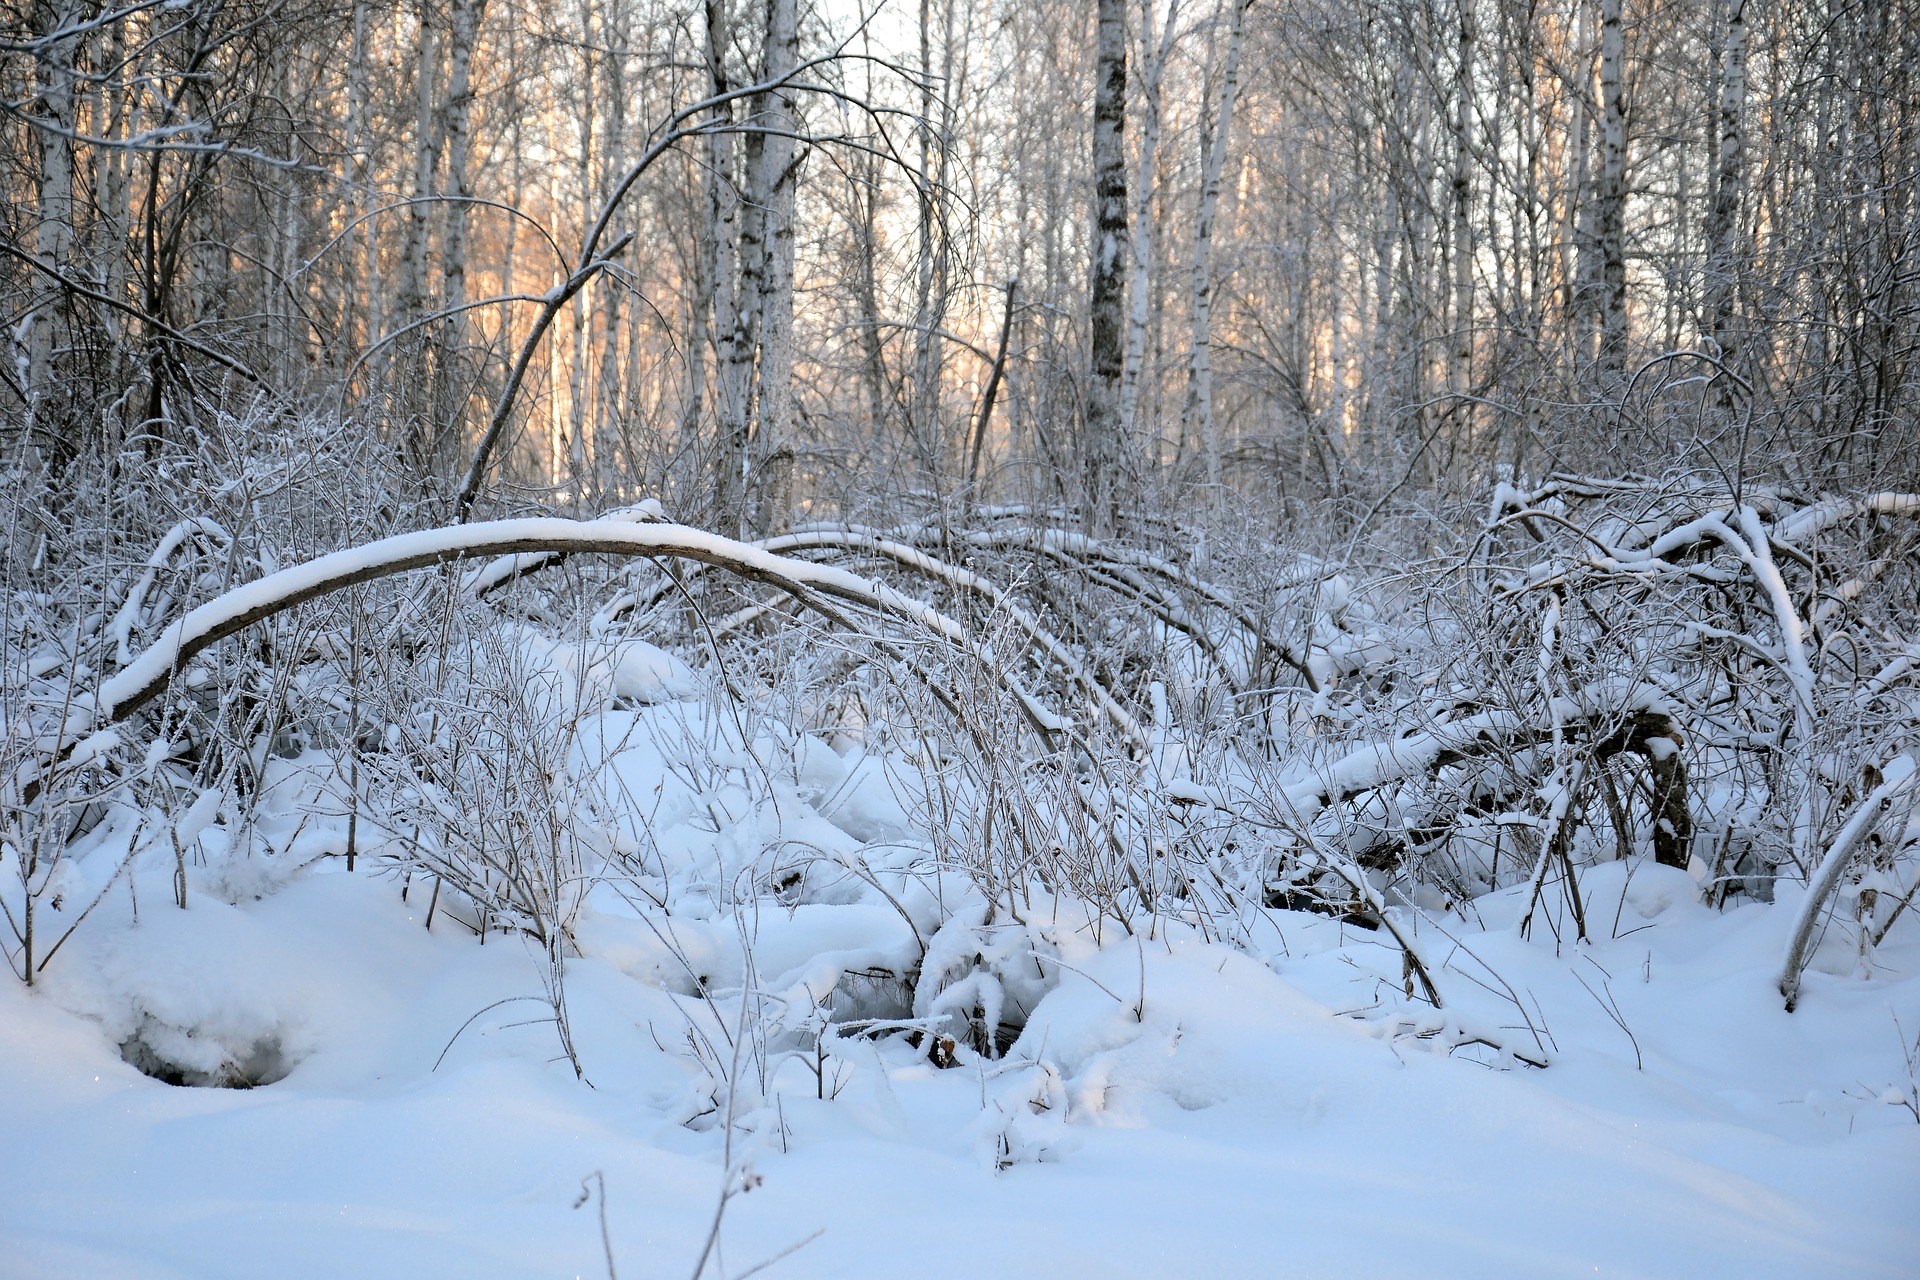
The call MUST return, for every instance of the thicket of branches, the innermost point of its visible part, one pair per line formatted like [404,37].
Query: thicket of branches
[1245,455]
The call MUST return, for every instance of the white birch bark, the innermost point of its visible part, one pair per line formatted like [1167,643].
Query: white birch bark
[1613,192]
[1156,48]
[737,374]
[54,71]
[1729,178]
[1108,286]
[579,397]
[776,184]
[616,35]
[1460,372]
[715,291]
[412,289]
[463,33]
[1215,139]
[360,327]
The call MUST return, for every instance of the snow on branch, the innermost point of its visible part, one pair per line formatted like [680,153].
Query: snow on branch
[1822,516]
[855,539]
[150,673]
[1896,779]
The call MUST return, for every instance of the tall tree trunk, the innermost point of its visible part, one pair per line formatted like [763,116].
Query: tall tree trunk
[1155,51]
[715,271]
[463,32]
[1729,179]
[48,323]
[773,454]
[359,321]
[609,410]
[579,394]
[1214,140]
[865,193]
[411,302]
[115,189]
[1583,276]
[1460,352]
[748,245]
[1613,194]
[1108,285]
[924,410]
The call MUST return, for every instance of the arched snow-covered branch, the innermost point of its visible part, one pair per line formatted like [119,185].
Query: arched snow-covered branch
[150,673]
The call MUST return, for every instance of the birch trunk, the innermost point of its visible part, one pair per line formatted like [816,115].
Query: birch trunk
[463,31]
[54,72]
[773,452]
[1460,372]
[1155,51]
[1729,178]
[924,410]
[1214,139]
[714,269]
[360,326]
[1613,194]
[412,299]
[579,397]
[608,408]
[866,196]
[1108,284]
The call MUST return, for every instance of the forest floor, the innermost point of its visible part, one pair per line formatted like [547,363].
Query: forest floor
[1173,1107]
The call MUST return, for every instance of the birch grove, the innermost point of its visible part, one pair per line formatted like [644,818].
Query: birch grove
[982,604]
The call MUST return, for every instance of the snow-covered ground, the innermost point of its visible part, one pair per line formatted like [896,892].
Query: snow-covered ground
[1173,1107]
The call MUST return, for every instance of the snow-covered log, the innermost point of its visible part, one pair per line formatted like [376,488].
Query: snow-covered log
[1608,727]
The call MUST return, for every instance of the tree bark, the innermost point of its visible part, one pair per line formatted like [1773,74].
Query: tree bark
[1155,50]
[1729,179]
[1108,285]
[1460,353]
[1613,195]
[775,184]
[48,322]
[1214,139]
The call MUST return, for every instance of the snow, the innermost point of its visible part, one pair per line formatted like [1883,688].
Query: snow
[783,980]
[1171,1105]
[1234,1128]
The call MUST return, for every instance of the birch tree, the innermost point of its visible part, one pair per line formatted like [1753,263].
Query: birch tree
[1612,211]
[1214,141]
[1108,273]
[48,322]
[1156,48]
[1729,176]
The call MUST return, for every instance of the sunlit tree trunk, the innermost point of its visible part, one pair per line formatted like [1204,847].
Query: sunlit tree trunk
[720,253]
[1155,49]
[608,390]
[579,394]
[929,300]
[463,30]
[360,319]
[411,302]
[775,187]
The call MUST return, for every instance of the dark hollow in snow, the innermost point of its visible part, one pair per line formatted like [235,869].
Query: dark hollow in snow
[264,1063]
